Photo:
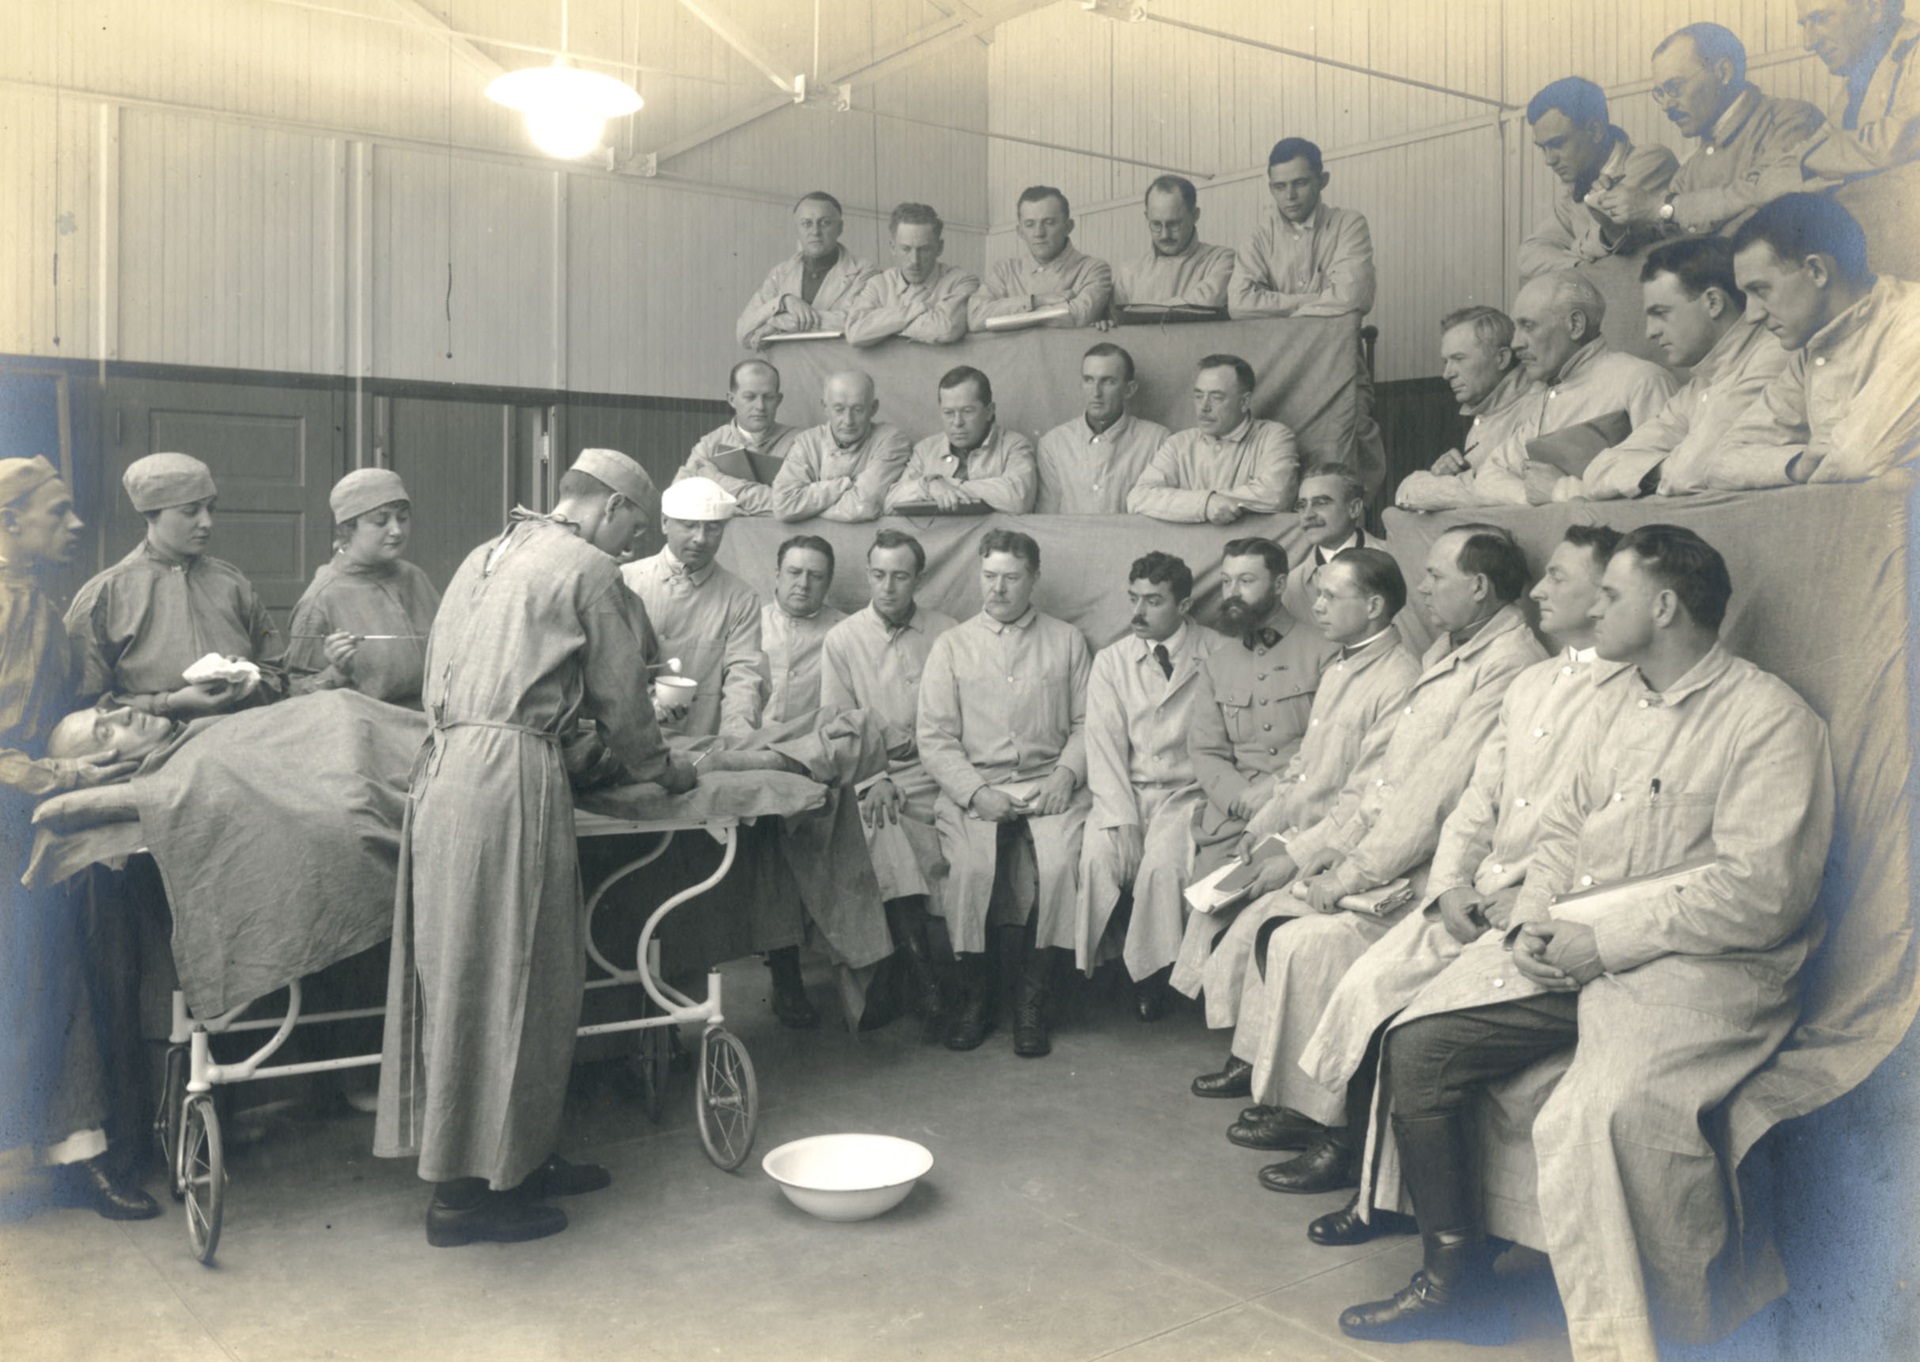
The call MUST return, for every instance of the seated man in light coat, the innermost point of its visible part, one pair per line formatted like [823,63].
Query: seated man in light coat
[1659,998]
[1873,118]
[1089,464]
[1003,709]
[975,461]
[1386,822]
[1230,464]
[721,456]
[843,468]
[794,625]
[1492,387]
[1140,700]
[1589,155]
[873,660]
[810,289]
[1305,1064]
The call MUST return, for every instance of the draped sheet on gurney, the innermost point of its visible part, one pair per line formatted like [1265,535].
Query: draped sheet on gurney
[276,833]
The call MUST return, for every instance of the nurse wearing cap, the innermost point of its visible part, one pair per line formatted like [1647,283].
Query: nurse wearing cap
[363,621]
[163,607]
[703,614]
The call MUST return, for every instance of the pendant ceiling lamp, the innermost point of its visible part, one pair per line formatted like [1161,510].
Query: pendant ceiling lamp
[566,108]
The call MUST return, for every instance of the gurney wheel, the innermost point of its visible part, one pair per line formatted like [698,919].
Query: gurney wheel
[167,1116]
[727,1099]
[203,1175]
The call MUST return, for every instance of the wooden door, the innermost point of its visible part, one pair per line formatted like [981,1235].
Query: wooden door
[275,453]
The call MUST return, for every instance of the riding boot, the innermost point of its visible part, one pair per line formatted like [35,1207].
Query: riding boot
[791,1007]
[907,921]
[971,1016]
[1034,992]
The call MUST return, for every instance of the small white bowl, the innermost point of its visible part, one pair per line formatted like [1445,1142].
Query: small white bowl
[847,1177]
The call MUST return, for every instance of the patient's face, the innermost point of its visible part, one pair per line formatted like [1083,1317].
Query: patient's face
[129,734]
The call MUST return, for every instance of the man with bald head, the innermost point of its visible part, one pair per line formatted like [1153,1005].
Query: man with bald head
[810,289]
[843,468]
[723,455]
[1181,270]
[919,299]
[1556,338]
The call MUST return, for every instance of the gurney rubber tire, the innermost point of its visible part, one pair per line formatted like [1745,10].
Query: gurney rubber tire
[203,1166]
[169,1115]
[726,1099]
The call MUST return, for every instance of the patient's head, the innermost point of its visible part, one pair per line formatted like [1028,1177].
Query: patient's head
[129,734]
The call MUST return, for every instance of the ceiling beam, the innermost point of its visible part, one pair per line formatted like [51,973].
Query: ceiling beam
[731,35]
[420,16]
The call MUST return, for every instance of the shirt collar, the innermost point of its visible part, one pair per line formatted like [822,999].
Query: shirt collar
[1580,361]
[1112,433]
[1512,386]
[350,567]
[1850,321]
[735,435]
[1174,643]
[986,443]
[1024,623]
[1068,258]
[900,277]
[1697,678]
[1359,541]
[676,568]
[806,265]
[913,621]
[167,560]
[1582,655]
[1314,223]
[1733,118]
[1349,651]
[1237,435]
[1727,350]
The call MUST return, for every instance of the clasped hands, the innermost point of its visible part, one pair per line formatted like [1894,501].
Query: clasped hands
[947,494]
[997,806]
[1563,957]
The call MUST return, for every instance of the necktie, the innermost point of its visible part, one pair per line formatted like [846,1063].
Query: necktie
[1166,662]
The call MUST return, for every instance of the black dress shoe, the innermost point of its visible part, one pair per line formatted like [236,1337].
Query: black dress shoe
[1236,1080]
[1429,1308]
[89,1184]
[1030,1040]
[490,1217]
[1327,1166]
[1283,1129]
[1259,1111]
[562,1177]
[1344,1227]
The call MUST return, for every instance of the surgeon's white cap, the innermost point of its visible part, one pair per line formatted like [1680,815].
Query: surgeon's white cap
[697,499]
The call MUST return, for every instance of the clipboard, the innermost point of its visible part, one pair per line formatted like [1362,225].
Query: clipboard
[928,508]
[1162,314]
[1021,320]
[749,465]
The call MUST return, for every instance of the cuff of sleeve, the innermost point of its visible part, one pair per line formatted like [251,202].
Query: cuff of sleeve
[967,791]
[1622,944]
[1351,878]
[1533,905]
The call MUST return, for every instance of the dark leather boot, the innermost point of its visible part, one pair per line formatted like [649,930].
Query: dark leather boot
[464,1211]
[907,920]
[1329,1163]
[971,1017]
[1033,993]
[1453,1294]
[1150,995]
[1235,1080]
[791,1007]
[1344,1227]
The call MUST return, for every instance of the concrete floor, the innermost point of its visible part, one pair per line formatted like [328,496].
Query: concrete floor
[1080,1206]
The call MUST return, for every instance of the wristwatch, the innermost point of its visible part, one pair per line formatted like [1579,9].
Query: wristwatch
[1666,208]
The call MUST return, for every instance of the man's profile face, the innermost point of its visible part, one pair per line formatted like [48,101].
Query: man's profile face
[1295,188]
[1566,592]
[1449,596]
[916,250]
[801,588]
[1220,403]
[1573,151]
[1170,223]
[44,526]
[1682,327]
[619,526]
[818,225]
[1156,614]
[129,734]
[965,416]
[1782,295]
[1840,32]
[1044,227]
[182,531]
[1472,368]
[892,577]
[1006,585]
[1106,387]
[1341,605]
[755,398]
[1692,94]
[694,542]
[1623,610]
[1542,332]
[1328,512]
[1248,590]
[850,406]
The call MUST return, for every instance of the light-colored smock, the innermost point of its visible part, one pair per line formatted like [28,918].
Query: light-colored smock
[1256,466]
[792,646]
[999,471]
[838,287]
[933,312]
[823,478]
[1197,277]
[1877,131]
[753,496]
[1578,233]
[1011,285]
[1322,267]
[710,620]
[1740,162]
[1495,417]
[1081,473]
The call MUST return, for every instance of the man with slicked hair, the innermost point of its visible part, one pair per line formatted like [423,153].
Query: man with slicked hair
[1048,272]
[722,456]
[975,461]
[1088,465]
[1589,155]
[917,298]
[1229,464]
[1180,270]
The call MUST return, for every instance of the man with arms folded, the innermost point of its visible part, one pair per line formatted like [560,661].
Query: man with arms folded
[1140,700]
[753,391]
[1589,155]
[1747,140]
[1050,274]
[842,468]
[1305,1061]
[1493,387]
[1249,715]
[918,299]
[1697,315]
[1356,600]
[1181,270]
[873,661]
[1333,515]
[975,461]
[794,625]
[1556,337]
[1846,407]
[1003,707]
[1089,465]
[1666,996]
[1386,821]
[809,290]
[1873,121]
[1230,464]
[535,633]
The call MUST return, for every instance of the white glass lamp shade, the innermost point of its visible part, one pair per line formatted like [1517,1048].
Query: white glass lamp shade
[567,109]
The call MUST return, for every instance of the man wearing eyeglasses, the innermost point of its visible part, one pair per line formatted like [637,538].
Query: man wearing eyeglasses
[1747,139]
